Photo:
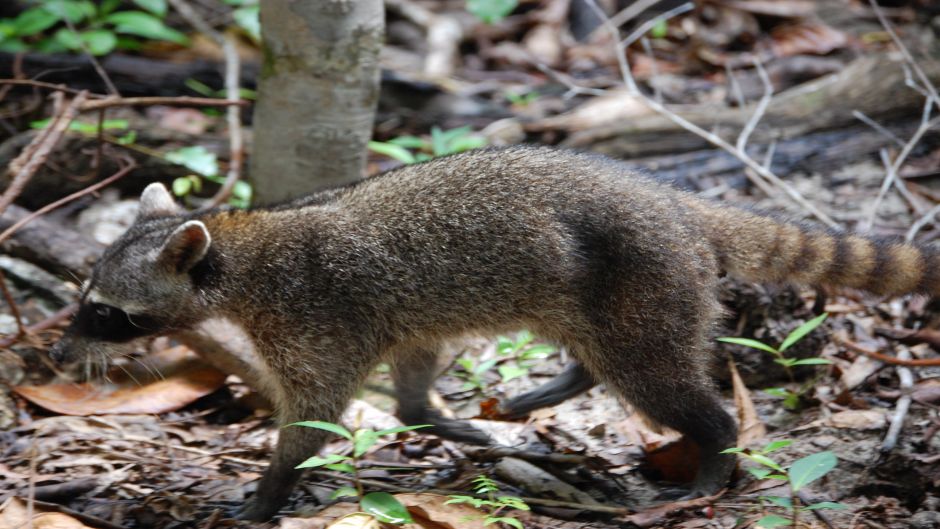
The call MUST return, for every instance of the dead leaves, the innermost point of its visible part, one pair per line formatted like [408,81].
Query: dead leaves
[16,513]
[429,511]
[171,379]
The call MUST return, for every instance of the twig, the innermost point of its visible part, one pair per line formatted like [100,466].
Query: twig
[925,81]
[48,86]
[861,116]
[14,310]
[889,359]
[160,100]
[890,176]
[38,150]
[759,110]
[51,321]
[903,405]
[131,164]
[648,25]
[710,137]
[630,12]
[496,452]
[94,60]
[233,115]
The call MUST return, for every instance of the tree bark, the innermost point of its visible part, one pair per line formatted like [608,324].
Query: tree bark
[317,95]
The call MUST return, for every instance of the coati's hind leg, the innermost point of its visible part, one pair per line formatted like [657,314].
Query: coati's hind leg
[573,381]
[414,373]
[662,379]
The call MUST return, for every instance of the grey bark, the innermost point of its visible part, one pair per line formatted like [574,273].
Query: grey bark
[317,94]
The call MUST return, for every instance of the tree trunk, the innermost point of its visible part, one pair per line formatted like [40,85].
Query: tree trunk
[317,95]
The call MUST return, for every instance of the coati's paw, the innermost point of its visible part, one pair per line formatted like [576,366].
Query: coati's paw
[451,429]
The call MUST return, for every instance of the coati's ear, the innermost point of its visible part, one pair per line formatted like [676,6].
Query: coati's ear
[156,201]
[185,247]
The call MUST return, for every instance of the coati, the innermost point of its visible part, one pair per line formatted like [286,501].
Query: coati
[620,269]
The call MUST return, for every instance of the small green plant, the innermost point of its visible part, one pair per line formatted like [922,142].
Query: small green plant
[490,503]
[246,17]
[380,505]
[521,99]
[791,399]
[523,351]
[92,129]
[472,372]
[55,26]
[414,149]
[491,11]
[204,165]
[800,473]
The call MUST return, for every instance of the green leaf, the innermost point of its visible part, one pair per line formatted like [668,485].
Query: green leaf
[145,25]
[659,29]
[393,151]
[108,6]
[410,142]
[810,468]
[438,141]
[34,21]
[507,372]
[812,362]
[13,45]
[771,521]
[785,362]
[182,186]
[363,440]
[344,492]
[504,346]
[779,501]
[734,450]
[317,461]
[72,10]
[466,144]
[777,392]
[485,366]
[542,350]
[68,38]
[508,520]
[776,445]
[341,467]
[490,11]
[802,331]
[196,158]
[328,426]
[759,472]
[248,19]
[99,41]
[792,401]
[157,7]
[513,502]
[764,460]
[385,508]
[747,342]
[825,505]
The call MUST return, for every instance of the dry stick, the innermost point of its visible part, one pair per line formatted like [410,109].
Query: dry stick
[890,176]
[903,405]
[159,100]
[112,89]
[710,137]
[20,329]
[233,116]
[908,58]
[51,321]
[43,146]
[65,200]
[887,358]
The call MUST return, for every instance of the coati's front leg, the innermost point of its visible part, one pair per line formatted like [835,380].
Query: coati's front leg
[414,373]
[573,381]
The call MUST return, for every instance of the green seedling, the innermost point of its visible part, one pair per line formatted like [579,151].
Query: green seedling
[521,99]
[204,165]
[414,149]
[791,399]
[523,352]
[493,505]
[491,11]
[380,505]
[56,26]
[800,473]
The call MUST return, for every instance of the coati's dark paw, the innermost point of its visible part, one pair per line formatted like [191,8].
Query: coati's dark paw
[451,429]
[671,494]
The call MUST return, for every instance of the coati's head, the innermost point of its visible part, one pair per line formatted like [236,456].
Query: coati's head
[143,284]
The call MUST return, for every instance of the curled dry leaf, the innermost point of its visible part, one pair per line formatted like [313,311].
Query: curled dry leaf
[806,37]
[752,429]
[185,378]
[859,419]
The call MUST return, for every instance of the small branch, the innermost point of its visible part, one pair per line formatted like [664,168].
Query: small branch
[38,150]
[186,101]
[14,309]
[233,116]
[496,452]
[921,362]
[931,90]
[51,321]
[131,164]
[903,405]
[890,176]
[759,110]
[648,25]
[94,60]
[861,116]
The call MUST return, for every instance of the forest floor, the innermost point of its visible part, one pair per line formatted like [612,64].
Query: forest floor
[167,441]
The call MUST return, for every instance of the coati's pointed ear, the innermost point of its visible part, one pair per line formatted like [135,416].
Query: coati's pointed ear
[185,247]
[156,201]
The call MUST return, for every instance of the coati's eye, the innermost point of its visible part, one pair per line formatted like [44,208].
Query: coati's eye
[109,323]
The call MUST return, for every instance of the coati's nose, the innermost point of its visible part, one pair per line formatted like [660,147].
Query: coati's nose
[57,352]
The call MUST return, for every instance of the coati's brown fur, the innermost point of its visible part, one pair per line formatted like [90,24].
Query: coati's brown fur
[620,269]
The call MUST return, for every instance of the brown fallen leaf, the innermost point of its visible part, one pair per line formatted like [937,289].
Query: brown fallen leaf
[806,37]
[14,513]
[752,429]
[356,520]
[858,419]
[656,515]
[675,462]
[185,378]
